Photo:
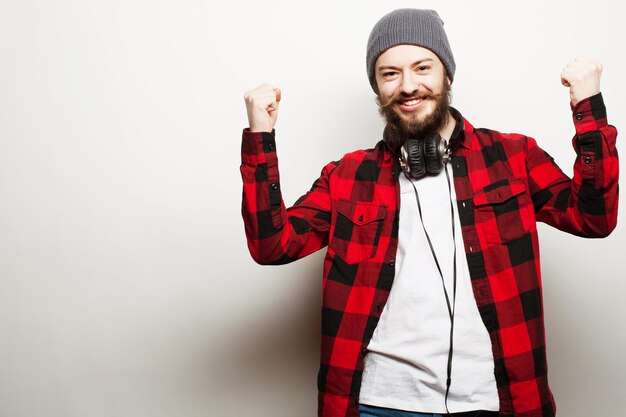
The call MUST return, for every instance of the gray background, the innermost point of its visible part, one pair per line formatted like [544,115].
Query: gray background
[126,288]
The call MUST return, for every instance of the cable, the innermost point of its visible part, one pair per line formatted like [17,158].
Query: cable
[451,307]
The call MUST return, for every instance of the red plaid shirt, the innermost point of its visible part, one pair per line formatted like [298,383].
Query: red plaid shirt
[504,183]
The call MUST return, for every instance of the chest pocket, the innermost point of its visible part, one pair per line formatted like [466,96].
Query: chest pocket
[358,227]
[504,211]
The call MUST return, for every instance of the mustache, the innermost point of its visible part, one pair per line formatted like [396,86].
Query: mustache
[401,96]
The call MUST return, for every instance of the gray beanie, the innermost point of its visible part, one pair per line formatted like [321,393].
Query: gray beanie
[409,27]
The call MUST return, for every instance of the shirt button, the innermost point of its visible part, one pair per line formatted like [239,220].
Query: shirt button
[587,160]
[269,147]
[579,116]
[391,263]
[379,307]
[274,186]
[361,218]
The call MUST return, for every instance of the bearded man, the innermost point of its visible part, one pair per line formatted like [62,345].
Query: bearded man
[431,284]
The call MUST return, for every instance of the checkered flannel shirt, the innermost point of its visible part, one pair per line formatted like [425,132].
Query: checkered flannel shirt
[504,183]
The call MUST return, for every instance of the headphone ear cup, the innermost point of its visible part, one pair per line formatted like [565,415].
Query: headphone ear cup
[433,153]
[415,158]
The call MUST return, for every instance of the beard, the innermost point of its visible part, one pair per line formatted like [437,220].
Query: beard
[401,127]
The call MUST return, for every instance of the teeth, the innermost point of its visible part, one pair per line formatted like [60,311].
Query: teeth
[411,102]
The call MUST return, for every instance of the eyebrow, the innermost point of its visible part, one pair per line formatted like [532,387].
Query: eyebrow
[416,63]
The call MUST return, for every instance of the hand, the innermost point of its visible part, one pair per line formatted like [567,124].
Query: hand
[262,106]
[582,76]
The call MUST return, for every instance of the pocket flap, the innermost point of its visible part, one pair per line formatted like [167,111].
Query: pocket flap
[360,213]
[499,192]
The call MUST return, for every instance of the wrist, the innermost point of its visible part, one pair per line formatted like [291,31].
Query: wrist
[260,128]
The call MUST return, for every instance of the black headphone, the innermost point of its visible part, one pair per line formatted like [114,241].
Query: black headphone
[427,155]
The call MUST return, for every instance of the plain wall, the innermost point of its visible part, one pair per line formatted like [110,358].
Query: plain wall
[126,288]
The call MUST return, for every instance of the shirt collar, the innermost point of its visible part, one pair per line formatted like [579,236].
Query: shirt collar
[462,134]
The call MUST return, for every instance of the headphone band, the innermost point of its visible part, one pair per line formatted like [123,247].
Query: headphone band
[429,154]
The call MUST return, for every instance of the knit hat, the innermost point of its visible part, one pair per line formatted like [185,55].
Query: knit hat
[409,27]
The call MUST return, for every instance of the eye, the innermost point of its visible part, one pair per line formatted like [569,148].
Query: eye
[423,68]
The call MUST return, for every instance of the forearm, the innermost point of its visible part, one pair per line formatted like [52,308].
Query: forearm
[586,205]
[275,234]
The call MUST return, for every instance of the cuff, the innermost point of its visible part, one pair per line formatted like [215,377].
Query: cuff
[589,114]
[255,145]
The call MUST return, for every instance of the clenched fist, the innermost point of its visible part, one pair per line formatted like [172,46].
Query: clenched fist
[262,107]
[582,76]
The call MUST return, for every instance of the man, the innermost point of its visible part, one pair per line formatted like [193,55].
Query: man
[410,326]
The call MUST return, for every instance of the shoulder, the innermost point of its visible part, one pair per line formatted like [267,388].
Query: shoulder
[356,161]
[360,155]
[483,138]
[477,138]
[489,135]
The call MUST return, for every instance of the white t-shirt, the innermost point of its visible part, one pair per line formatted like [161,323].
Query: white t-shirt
[406,363]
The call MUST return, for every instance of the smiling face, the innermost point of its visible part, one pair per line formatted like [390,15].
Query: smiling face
[413,91]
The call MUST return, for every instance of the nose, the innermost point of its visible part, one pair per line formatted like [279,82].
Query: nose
[410,84]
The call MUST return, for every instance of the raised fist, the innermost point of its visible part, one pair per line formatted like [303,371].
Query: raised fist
[262,106]
[582,76]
